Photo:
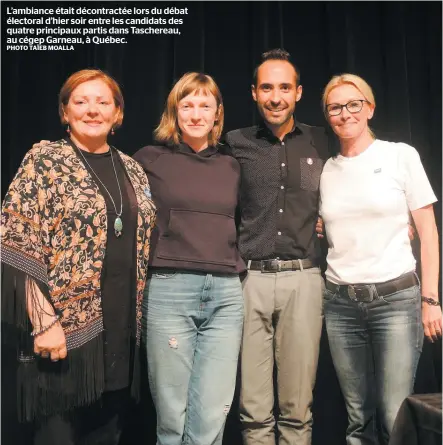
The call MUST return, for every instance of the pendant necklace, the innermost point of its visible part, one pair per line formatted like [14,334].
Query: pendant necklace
[118,223]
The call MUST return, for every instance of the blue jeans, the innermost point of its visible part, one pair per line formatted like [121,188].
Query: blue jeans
[193,325]
[375,349]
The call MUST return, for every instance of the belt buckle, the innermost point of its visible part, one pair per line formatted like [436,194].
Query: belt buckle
[351,291]
[263,268]
[273,262]
[271,267]
[357,293]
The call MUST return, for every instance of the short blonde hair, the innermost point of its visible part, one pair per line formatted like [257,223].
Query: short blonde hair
[349,79]
[168,130]
[79,77]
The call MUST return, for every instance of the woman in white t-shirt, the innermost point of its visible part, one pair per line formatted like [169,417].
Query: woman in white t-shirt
[374,310]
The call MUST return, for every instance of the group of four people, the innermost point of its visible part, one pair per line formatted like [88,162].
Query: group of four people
[102,253]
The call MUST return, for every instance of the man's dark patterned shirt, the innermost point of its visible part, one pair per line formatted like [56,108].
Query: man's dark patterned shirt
[279,193]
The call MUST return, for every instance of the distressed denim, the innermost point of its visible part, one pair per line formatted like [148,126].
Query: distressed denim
[375,348]
[192,324]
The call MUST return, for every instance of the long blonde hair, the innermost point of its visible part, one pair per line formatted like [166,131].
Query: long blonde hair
[168,130]
[349,79]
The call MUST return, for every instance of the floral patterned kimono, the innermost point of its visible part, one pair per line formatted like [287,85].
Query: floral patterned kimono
[53,233]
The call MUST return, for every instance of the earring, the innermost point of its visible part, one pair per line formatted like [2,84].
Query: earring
[68,130]
[112,131]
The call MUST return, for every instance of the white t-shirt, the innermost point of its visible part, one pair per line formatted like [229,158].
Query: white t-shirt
[365,203]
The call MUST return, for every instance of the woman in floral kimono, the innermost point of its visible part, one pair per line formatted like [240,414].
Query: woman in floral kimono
[75,234]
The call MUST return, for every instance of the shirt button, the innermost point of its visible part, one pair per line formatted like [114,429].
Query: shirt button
[282,187]
[278,233]
[281,210]
[283,164]
[283,143]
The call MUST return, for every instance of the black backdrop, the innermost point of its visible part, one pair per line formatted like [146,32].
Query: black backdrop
[395,46]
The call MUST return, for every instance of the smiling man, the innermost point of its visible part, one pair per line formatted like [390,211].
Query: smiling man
[281,161]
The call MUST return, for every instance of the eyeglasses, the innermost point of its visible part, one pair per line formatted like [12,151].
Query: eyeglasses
[354,106]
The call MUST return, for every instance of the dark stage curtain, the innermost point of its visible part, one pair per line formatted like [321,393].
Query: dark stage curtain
[395,46]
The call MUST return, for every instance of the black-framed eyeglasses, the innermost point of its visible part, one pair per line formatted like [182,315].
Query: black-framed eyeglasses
[353,106]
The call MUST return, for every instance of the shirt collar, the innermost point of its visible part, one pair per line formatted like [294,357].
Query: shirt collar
[264,132]
[206,153]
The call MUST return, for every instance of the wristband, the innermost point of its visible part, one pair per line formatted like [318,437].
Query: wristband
[430,301]
[45,328]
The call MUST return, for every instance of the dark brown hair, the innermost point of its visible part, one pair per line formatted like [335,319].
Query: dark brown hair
[276,54]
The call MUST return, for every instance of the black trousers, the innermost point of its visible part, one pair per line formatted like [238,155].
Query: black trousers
[99,424]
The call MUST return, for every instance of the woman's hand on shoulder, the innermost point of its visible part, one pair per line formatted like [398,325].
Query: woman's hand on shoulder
[51,343]
[319,227]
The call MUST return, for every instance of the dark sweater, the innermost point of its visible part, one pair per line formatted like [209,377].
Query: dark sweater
[196,196]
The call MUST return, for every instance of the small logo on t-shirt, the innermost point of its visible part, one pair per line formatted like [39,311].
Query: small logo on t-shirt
[377,170]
